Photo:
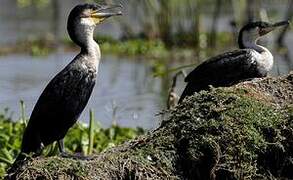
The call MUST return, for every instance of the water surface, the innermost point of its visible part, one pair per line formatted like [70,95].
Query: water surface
[125,91]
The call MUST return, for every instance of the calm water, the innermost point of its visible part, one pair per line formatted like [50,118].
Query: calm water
[126,91]
[125,85]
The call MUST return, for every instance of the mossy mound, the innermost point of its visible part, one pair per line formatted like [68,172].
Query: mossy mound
[241,132]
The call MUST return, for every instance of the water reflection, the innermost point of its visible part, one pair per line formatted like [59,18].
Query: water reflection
[125,85]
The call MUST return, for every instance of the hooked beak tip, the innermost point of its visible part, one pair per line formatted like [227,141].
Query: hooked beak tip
[119,13]
[282,23]
[273,27]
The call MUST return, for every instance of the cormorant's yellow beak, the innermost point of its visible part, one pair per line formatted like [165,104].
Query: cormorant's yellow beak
[272,27]
[104,12]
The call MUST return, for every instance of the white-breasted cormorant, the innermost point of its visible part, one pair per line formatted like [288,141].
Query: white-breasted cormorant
[67,94]
[250,61]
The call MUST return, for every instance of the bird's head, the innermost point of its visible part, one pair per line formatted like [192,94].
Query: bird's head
[84,17]
[254,30]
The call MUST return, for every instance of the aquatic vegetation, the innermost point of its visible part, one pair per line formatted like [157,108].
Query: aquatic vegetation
[136,47]
[80,139]
[131,47]
[33,47]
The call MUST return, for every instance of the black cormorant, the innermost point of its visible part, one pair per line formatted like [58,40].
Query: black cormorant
[250,61]
[67,94]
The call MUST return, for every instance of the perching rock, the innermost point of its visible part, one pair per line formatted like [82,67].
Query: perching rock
[241,132]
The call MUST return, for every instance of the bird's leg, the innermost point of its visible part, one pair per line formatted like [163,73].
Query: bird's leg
[61,149]
[64,154]
[61,145]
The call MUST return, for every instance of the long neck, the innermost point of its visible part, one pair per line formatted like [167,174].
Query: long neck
[91,48]
[83,37]
[247,40]
[263,56]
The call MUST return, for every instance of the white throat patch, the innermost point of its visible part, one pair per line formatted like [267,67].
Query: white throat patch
[87,22]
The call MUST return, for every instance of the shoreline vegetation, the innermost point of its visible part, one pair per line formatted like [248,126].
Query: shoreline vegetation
[82,139]
[133,47]
[155,51]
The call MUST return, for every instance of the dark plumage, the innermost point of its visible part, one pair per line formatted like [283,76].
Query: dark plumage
[250,61]
[217,71]
[67,94]
[59,106]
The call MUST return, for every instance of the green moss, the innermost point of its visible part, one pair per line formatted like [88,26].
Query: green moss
[61,167]
[236,122]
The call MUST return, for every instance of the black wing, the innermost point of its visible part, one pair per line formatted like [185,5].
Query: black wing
[225,68]
[222,70]
[60,104]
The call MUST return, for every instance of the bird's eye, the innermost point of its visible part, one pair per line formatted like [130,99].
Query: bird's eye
[85,14]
